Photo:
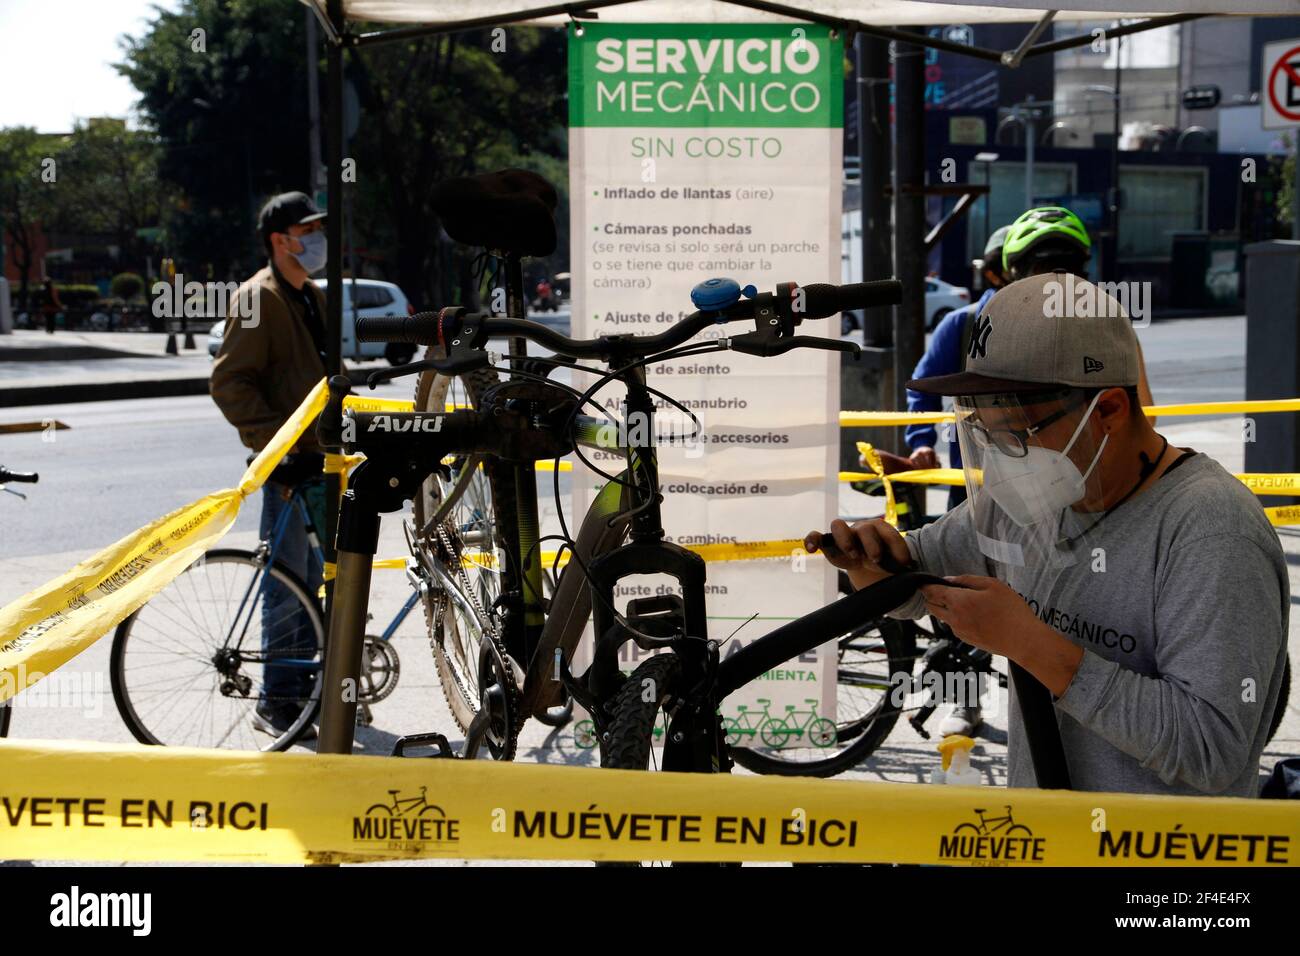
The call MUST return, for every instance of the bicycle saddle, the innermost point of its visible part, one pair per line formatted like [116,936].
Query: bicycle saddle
[510,210]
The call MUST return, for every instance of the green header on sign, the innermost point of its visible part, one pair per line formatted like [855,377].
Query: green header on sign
[734,75]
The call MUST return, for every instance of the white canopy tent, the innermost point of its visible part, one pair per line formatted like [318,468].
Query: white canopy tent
[349,24]
[877,12]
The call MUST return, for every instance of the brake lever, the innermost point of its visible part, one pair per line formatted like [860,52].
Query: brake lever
[756,343]
[456,365]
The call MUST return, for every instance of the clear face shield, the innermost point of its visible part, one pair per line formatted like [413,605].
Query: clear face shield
[1032,476]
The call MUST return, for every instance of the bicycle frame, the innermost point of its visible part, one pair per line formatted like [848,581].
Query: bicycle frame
[269,549]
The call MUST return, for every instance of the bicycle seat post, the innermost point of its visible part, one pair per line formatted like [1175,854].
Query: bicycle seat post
[516,304]
[358,540]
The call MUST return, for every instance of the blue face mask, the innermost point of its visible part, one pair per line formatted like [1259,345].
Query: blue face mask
[314,248]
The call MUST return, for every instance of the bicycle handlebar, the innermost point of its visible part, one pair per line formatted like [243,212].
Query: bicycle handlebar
[6,475]
[822,300]
[792,304]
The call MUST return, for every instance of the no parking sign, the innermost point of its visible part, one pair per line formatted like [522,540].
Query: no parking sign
[1281,86]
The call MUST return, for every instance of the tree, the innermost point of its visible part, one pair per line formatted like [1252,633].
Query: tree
[108,185]
[233,125]
[223,85]
[26,193]
[441,107]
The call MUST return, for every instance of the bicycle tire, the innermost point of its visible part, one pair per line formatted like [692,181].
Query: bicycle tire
[456,662]
[628,743]
[128,705]
[1279,709]
[899,639]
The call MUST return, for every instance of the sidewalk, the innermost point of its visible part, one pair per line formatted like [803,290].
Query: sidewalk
[41,369]
[33,345]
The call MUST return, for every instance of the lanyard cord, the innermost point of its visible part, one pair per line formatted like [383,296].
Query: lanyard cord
[1148,466]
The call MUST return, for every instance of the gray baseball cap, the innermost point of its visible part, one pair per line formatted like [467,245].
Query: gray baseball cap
[1047,331]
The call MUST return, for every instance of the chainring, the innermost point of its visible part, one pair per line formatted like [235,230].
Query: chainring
[380,668]
[498,690]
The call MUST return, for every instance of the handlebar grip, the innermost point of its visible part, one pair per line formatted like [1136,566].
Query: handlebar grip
[418,329]
[887,560]
[822,300]
[30,477]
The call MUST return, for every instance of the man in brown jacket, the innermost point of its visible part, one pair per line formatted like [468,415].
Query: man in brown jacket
[271,356]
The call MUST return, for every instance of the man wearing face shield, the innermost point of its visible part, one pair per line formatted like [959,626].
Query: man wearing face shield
[1140,583]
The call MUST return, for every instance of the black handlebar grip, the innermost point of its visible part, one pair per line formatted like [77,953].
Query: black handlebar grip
[821,300]
[418,329]
[30,477]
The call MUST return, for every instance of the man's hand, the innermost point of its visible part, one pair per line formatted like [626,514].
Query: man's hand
[861,547]
[989,614]
[924,457]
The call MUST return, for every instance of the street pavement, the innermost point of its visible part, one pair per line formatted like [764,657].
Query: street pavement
[123,463]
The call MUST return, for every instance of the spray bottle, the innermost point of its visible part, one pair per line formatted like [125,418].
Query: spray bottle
[954,753]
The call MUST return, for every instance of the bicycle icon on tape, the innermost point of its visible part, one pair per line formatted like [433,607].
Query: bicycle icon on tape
[990,825]
[774,731]
[407,806]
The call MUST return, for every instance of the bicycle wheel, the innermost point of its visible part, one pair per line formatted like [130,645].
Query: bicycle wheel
[472,508]
[188,668]
[872,662]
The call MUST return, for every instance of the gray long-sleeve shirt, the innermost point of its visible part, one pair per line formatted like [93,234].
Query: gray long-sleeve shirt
[1184,636]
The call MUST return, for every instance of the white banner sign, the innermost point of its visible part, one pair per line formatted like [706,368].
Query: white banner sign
[707,151]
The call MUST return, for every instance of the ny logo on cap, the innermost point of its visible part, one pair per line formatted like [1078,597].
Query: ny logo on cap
[979,337]
[1090,364]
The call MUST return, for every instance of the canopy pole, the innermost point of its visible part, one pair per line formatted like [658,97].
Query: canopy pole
[334,257]
[909,213]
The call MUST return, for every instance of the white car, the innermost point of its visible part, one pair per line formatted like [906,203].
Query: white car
[371,299]
[940,299]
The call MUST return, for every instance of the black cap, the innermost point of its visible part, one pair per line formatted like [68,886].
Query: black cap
[285,210]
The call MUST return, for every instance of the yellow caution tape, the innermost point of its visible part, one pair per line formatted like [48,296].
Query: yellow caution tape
[49,626]
[13,428]
[894,419]
[1264,484]
[76,801]
[368,403]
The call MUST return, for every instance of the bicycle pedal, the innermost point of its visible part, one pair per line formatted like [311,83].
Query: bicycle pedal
[423,740]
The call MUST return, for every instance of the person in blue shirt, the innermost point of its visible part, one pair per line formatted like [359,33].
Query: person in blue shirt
[943,357]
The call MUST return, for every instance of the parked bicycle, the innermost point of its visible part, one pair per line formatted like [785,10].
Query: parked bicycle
[189,668]
[497,630]
[6,477]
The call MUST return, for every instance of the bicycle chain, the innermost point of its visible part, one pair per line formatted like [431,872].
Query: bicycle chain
[506,665]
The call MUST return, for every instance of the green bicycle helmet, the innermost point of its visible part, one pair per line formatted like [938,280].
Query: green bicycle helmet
[1044,230]
[993,250]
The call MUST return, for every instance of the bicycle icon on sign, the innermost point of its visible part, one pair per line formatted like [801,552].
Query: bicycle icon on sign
[407,806]
[584,732]
[776,732]
[746,723]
